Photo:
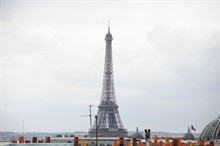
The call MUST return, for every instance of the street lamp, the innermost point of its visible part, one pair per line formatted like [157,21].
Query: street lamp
[96,119]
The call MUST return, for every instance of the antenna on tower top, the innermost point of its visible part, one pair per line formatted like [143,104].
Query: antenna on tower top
[108,26]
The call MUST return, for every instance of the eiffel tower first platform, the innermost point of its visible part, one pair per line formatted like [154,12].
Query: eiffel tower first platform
[108,121]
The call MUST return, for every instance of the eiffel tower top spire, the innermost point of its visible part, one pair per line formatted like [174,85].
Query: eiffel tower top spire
[108,37]
[108,26]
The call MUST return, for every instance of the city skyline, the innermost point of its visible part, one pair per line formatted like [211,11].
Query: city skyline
[165,54]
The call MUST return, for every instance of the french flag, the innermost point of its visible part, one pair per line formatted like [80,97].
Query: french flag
[193,128]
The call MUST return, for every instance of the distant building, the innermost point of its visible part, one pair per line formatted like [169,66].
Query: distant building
[188,135]
[211,132]
[137,135]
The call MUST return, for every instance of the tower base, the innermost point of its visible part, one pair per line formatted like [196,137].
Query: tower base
[107,132]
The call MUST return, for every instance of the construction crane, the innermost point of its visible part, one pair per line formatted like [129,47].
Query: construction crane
[90,114]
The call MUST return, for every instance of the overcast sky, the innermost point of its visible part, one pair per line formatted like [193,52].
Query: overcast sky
[165,62]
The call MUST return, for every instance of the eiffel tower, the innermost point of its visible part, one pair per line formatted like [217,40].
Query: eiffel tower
[108,119]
